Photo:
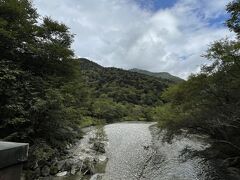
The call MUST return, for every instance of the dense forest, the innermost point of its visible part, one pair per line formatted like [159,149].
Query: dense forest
[47,94]
[163,75]
[120,95]
[42,95]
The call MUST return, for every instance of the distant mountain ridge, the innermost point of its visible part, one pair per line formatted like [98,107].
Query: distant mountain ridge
[163,75]
[124,86]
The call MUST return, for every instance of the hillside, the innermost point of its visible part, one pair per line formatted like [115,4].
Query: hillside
[121,95]
[163,75]
[122,85]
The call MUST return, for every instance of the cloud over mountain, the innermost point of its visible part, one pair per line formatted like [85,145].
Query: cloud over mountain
[123,34]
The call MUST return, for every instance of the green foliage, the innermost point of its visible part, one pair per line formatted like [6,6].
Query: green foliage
[108,110]
[88,121]
[120,95]
[234,21]
[167,114]
[209,102]
[162,75]
[123,86]
[42,95]
[41,151]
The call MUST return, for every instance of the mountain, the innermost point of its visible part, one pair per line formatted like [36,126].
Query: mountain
[163,75]
[124,86]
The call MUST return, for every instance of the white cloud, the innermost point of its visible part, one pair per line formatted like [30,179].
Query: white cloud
[119,33]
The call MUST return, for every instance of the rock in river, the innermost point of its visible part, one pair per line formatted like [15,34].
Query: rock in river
[60,174]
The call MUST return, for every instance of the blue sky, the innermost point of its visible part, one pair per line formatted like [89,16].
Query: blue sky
[219,21]
[163,4]
[155,35]
[155,5]
[158,5]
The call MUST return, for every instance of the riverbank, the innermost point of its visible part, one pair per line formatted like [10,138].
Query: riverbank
[81,160]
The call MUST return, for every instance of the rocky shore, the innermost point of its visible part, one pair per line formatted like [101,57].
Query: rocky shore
[82,160]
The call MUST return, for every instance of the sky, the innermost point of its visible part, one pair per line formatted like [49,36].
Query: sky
[154,35]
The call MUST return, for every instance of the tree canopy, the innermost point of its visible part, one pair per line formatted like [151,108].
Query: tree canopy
[209,102]
[41,93]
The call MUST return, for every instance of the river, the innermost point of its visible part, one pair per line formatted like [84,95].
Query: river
[135,151]
[135,154]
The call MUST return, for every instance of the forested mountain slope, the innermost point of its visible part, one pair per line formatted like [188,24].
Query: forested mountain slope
[163,75]
[122,85]
[118,95]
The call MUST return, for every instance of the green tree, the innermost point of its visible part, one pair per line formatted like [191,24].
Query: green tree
[42,97]
[209,102]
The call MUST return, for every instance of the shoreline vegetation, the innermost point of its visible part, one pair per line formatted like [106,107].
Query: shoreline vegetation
[208,103]
[47,95]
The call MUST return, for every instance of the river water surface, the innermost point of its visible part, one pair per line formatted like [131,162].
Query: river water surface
[134,153]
